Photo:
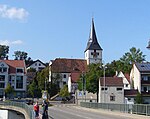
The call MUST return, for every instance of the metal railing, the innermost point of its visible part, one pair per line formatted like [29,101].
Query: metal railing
[142,109]
[22,105]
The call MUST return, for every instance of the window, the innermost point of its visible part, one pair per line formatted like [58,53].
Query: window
[35,64]
[126,85]
[145,89]
[19,82]
[19,70]
[2,85]
[2,77]
[64,75]
[39,64]
[149,78]
[112,98]
[4,69]
[64,83]
[91,53]
[145,78]
[119,89]
[97,53]
[103,88]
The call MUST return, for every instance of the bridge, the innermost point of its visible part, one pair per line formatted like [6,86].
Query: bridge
[19,107]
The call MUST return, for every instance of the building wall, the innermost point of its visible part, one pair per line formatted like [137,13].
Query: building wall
[106,96]
[136,78]
[37,65]
[63,78]
[125,81]
[90,59]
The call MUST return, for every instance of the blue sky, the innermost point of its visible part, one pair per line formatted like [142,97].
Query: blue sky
[49,29]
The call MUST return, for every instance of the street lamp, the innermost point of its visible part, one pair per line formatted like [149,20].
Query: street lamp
[148,47]
[104,83]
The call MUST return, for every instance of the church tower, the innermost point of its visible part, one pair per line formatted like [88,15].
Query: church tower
[93,52]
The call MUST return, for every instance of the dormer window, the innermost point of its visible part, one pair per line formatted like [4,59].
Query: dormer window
[19,70]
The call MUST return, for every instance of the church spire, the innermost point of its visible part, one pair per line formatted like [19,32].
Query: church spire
[93,43]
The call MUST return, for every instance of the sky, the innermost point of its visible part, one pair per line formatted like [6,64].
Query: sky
[49,29]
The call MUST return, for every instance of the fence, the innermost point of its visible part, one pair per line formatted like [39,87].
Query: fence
[21,105]
[142,109]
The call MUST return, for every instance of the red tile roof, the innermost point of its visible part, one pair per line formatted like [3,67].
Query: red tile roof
[62,65]
[13,64]
[111,81]
[127,76]
[75,77]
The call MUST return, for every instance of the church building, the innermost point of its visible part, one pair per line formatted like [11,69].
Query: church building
[69,70]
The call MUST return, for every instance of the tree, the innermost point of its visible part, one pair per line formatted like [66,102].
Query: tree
[4,50]
[31,88]
[139,99]
[64,91]
[91,79]
[9,90]
[134,55]
[20,55]
[129,58]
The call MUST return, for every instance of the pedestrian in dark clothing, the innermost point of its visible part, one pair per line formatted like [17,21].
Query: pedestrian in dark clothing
[45,110]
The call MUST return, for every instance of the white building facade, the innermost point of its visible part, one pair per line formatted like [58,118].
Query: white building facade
[14,73]
[111,90]
[37,65]
[140,75]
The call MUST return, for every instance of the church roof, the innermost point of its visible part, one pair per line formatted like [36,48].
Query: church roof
[62,65]
[93,43]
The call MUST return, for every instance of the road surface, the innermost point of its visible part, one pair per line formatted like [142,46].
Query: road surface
[75,112]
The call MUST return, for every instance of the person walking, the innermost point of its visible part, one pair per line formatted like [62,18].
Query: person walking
[36,110]
[45,110]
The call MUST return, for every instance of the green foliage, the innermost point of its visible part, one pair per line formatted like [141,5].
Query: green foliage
[52,87]
[139,99]
[64,91]
[42,77]
[31,70]
[9,89]
[91,78]
[4,50]
[134,55]
[126,61]
[20,55]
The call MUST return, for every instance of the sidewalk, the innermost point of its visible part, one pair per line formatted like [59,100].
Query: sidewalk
[102,111]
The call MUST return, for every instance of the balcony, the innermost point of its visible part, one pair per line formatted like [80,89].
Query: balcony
[145,82]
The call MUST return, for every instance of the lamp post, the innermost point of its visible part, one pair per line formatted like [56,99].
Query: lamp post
[104,83]
[148,47]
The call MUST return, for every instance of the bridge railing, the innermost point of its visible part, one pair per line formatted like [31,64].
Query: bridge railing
[142,109]
[22,105]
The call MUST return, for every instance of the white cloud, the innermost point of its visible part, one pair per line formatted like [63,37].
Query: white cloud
[13,12]
[8,43]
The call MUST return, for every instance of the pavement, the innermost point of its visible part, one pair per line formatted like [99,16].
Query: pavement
[116,113]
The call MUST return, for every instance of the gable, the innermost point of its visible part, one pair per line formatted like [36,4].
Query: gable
[3,64]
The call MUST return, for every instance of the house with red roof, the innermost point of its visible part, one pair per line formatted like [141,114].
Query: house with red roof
[14,73]
[126,80]
[111,90]
[63,69]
